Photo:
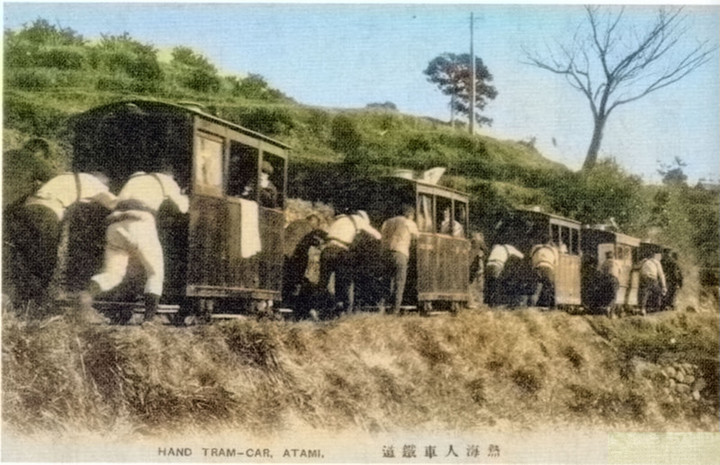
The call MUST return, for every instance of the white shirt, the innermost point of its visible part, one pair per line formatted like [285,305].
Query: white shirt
[544,255]
[152,190]
[501,252]
[611,267]
[652,269]
[345,227]
[457,229]
[397,234]
[64,190]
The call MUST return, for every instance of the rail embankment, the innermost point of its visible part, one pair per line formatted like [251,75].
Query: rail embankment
[511,370]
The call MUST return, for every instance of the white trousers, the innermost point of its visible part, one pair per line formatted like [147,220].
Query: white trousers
[136,236]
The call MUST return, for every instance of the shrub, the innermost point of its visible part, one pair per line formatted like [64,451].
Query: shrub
[60,58]
[345,137]
[29,79]
[122,54]
[254,87]
[201,80]
[595,196]
[25,116]
[264,119]
[41,32]
[114,83]
[318,122]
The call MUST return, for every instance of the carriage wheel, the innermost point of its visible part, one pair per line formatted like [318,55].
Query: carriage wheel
[194,311]
[121,315]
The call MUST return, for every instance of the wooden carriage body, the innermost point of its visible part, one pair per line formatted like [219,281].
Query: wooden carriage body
[439,265]
[524,229]
[595,244]
[218,164]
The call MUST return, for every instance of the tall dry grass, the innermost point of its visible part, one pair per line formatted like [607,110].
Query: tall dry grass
[479,370]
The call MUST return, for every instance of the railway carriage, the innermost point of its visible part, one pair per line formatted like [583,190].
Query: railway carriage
[439,268]
[227,252]
[525,228]
[595,244]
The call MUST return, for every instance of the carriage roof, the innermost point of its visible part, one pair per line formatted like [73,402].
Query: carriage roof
[602,235]
[550,217]
[155,106]
[426,188]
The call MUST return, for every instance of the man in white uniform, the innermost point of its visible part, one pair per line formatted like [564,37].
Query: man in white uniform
[132,230]
[499,255]
[40,233]
[544,259]
[652,284]
[336,258]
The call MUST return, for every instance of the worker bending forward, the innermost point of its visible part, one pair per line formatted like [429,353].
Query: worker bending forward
[132,230]
[544,258]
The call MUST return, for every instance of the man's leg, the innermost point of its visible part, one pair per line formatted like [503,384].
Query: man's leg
[150,253]
[401,267]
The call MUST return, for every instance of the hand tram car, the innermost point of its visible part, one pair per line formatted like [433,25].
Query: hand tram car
[226,254]
[596,243]
[439,266]
[524,229]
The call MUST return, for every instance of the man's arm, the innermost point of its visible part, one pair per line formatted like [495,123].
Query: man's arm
[106,198]
[172,192]
[372,231]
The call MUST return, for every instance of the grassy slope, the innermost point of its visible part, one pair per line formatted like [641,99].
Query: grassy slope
[481,370]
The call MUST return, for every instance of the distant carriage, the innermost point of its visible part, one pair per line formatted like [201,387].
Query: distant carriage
[525,228]
[595,245]
[227,253]
[438,276]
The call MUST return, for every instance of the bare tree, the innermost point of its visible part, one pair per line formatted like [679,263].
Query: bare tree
[614,62]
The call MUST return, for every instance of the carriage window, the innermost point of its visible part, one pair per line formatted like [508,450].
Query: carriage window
[424,213]
[620,253]
[556,234]
[272,177]
[208,164]
[242,170]
[564,240]
[460,219]
[443,215]
[575,244]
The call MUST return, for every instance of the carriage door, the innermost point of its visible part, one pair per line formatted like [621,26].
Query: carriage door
[567,274]
[207,259]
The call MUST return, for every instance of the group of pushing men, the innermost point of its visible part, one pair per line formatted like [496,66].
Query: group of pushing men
[655,291]
[131,231]
[337,257]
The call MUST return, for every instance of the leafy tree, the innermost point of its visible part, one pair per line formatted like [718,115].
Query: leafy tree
[196,71]
[452,74]
[382,106]
[41,32]
[613,61]
[188,57]
[600,194]
[123,53]
[672,173]
[254,86]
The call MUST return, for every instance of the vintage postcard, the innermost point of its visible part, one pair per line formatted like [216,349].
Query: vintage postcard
[392,233]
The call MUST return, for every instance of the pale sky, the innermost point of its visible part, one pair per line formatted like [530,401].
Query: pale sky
[346,56]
